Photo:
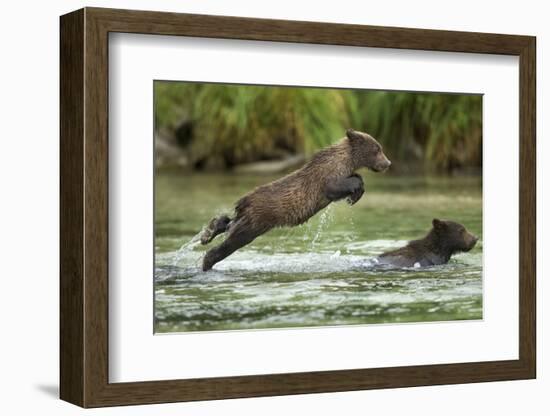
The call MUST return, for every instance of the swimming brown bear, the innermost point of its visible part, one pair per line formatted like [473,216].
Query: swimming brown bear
[444,239]
[329,176]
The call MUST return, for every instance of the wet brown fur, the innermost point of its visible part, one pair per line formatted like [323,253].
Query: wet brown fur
[296,197]
[442,241]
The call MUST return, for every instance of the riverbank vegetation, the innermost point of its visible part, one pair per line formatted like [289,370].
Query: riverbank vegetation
[220,126]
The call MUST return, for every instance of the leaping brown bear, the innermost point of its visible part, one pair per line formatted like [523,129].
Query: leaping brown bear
[329,176]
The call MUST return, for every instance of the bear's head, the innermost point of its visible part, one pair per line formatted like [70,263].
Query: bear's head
[367,152]
[453,236]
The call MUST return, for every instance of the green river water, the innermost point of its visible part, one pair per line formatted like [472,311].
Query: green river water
[318,273]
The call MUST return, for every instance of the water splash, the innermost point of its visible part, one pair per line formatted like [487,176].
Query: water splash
[351,236]
[325,218]
[187,248]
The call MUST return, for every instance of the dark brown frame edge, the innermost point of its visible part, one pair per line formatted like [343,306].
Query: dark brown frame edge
[84,207]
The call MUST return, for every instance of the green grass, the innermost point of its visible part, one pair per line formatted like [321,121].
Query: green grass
[235,124]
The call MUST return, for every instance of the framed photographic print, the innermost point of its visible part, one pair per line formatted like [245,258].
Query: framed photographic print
[255,207]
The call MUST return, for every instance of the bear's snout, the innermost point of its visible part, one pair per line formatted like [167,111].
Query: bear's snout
[472,242]
[382,164]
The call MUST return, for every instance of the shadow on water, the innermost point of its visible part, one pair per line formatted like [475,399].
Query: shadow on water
[320,273]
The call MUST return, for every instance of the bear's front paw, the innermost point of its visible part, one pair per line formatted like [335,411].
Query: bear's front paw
[357,190]
[354,197]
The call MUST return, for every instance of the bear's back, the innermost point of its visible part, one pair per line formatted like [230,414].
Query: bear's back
[296,197]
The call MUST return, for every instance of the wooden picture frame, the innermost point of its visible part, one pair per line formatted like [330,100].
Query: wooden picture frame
[84,207]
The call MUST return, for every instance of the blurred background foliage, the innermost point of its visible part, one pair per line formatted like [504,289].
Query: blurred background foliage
[220,126]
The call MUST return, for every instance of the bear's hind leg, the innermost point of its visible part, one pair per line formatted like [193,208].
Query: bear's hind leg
[239,236]
[216,226]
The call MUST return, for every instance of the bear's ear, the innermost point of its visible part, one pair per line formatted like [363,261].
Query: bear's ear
[437,224]
[353,135]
